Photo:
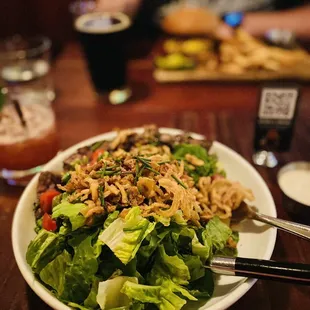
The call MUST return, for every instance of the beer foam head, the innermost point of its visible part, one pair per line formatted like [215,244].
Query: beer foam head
[99,22]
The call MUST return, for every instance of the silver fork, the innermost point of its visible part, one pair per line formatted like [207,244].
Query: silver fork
[245,211]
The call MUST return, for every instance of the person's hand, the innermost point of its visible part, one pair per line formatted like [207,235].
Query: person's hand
[128,7]
[223,32]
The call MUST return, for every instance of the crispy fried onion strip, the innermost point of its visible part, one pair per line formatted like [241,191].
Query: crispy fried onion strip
[220,197]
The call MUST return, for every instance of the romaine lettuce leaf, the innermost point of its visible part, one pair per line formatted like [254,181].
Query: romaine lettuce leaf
[178,289]
[194,266]
[133,306]
[227,251]
[110,219]
[91,300]
[202,287]
[216,233]
[161,296]
[77,306]
[53,274]
[71,211]
[80,274]
[109,263]
[181,150]
[179,219]
[149,246]
[110,295]
[59,199]
[97,246]
[161,219]
[204,251]
[124,236]
[170,272]
[136,306]
[210,160]
[171,267]
[43,249]
[230,251]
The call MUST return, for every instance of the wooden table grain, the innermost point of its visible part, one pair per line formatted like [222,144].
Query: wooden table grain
[221,111]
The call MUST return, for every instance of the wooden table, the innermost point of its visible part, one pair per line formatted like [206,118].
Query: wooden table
[224,112]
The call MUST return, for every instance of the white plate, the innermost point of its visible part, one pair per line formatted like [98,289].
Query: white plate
[255,240]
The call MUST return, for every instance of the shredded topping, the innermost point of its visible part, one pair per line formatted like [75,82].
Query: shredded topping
[147,175]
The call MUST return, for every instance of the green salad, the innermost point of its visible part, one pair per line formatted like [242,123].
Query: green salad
[131,223]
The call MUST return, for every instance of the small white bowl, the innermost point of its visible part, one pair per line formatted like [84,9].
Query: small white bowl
[255,241]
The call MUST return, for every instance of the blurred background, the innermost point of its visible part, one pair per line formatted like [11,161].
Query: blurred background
[53,19]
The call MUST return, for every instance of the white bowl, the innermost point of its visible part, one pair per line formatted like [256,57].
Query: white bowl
[255,240]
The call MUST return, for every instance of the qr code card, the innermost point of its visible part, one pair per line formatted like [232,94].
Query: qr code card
[278,103]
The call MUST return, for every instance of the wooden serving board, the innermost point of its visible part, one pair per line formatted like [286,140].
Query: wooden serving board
[298,72]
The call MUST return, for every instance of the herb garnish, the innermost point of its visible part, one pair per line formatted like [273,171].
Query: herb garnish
[101,195]
[178,181]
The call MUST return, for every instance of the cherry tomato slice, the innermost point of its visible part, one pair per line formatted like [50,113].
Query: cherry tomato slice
[48,223]
[96,155]
[46,200]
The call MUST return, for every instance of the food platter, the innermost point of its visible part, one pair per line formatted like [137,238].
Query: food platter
[194,51]
[241,59]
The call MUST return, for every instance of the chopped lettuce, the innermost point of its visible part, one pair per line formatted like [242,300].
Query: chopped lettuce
[80,274]
[53,274]
[38,225]
[216,234]
[178,289]
[181,150]
[227,250]
[194,266]
[171,272]
[130,263]
[124,236]
[210,161]
[109,263]
[110,295]
[91,300]
[204,251]
[110,219]
[77,306]
[179,219]
[152,241]
[134,306]
[171,267]
[162,296]
[161,219]
[43,249]
[59,199]
[168,261]
[71,211]
[202,287]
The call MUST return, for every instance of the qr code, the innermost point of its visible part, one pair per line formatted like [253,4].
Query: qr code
[278,103]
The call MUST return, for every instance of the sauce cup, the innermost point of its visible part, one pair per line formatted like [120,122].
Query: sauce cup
[294,182]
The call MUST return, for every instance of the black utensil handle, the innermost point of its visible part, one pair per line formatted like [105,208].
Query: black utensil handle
[271,270]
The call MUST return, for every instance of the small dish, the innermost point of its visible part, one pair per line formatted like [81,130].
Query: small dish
[294,182]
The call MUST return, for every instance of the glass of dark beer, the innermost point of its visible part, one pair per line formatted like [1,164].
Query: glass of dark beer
[103,39]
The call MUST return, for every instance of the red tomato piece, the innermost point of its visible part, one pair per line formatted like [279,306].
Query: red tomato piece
[48,223]
[96,155]
[216,177]
[46,200]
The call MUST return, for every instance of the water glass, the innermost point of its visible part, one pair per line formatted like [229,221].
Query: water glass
[25,66]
